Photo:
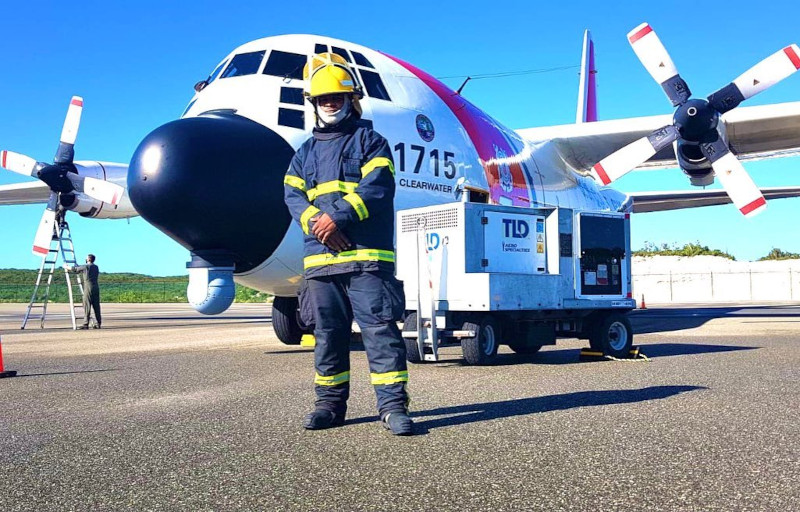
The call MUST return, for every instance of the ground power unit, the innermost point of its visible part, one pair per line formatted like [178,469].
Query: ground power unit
[480,275]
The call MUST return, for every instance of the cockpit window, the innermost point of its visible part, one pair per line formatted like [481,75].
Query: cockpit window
[293,95]
[291,117]
[342,53]
[285,65]
[244,64]
[320,48]
[374,85]
[362,61]
[214,74]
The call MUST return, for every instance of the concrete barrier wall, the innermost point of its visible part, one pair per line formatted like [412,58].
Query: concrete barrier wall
[665,279]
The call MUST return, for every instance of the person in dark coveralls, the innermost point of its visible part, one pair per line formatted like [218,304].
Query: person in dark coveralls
[91,291]
[340,189]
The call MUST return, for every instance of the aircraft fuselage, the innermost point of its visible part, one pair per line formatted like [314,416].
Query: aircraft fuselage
[229,183]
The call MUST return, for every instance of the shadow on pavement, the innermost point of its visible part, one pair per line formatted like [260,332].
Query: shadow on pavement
[462,414]
[570,356]
[21,375]
[686,349]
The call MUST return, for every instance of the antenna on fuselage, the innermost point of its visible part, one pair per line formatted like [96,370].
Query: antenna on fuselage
[462,85]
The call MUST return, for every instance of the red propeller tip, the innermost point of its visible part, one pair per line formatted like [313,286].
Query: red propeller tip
[755,205]
[601,173]
[640,34]
[789,51]
[77,102]
[4,158]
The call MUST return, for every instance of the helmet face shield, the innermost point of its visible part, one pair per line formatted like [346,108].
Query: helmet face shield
[328,73]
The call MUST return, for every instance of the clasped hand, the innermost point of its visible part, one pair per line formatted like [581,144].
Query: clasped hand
[328,233]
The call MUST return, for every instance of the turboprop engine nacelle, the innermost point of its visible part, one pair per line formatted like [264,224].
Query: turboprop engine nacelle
[87,206]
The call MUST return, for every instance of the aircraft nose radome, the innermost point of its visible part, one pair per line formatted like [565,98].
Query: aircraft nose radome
[214,184]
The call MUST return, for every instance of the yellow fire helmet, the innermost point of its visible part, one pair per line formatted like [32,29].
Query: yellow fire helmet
[330,74]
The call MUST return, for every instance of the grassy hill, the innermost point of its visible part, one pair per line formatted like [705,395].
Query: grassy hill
[17,285]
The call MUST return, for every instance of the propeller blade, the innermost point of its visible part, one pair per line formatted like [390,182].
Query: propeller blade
[760,77]
[633,155]
[734,178]
[41,242]
[103,190]
[69,133]
[658,63]
[18,163]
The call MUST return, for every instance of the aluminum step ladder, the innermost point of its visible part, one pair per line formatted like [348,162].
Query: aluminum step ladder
[427,332]
[60,244]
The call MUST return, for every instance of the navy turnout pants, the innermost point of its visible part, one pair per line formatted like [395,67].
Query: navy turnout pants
[376,301]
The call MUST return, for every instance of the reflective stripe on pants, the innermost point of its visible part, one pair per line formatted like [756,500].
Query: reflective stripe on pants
[337,299]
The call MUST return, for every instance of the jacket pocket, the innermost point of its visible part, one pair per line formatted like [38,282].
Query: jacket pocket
[351,169]
[394,303]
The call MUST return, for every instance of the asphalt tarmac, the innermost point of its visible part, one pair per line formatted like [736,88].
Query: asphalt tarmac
[164,409]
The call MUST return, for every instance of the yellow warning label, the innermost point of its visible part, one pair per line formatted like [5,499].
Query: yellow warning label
[540,248]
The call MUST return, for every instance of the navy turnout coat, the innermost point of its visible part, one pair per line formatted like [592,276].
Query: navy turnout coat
[348,174]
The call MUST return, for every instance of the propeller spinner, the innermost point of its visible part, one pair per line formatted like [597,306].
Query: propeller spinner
[61,176]
[697,120]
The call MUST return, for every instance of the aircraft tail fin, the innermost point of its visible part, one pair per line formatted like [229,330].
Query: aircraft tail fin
[587,91]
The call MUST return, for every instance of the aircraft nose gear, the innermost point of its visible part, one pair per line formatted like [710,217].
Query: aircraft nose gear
[214,183]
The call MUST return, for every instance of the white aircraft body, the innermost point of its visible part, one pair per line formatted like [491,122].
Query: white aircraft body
[213,180]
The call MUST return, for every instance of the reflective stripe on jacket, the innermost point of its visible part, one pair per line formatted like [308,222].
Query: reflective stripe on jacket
[349,175]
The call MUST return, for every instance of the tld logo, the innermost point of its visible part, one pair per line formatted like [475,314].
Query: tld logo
[516,228]
[433,241]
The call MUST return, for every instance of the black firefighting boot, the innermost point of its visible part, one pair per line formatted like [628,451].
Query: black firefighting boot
[399,423]
[321,419]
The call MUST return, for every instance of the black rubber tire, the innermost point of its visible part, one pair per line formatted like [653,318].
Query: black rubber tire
[412,352]
[525,349]
[613,334]
[284,320]
[482,348]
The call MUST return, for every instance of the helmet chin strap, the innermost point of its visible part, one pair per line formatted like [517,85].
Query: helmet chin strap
[330,120]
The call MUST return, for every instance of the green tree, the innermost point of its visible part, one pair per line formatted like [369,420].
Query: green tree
[690,249]
[16,285]
[777,254]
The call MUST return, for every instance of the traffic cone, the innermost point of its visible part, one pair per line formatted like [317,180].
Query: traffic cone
[644,305]
[4,374]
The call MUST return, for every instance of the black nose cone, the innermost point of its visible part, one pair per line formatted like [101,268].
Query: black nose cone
[214,183]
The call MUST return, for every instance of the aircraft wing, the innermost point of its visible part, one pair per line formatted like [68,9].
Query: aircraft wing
[24,193]
[663,201]
[754,133]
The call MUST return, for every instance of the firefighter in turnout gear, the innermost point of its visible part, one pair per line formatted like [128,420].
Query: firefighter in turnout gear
[340,189]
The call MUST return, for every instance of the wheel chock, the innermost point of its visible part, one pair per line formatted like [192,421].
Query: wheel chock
[308,340]
[589,354]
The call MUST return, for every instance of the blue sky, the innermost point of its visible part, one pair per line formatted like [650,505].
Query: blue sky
[135,63]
